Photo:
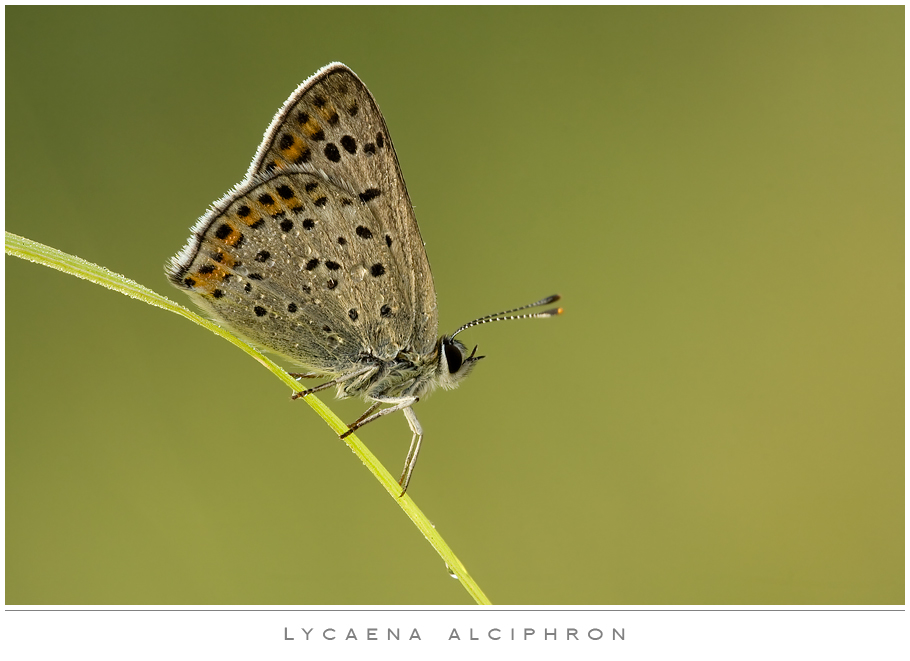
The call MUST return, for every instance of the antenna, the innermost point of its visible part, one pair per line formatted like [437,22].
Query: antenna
[498,316]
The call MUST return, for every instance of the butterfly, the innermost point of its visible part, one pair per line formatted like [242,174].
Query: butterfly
[316,256]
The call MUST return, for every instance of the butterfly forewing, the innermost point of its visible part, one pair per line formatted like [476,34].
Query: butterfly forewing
[333,125]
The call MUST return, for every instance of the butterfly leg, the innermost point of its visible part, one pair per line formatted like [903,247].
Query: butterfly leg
[400,404]
[327,384]
[369,416]
[321,386]
[411,460]
[359,421]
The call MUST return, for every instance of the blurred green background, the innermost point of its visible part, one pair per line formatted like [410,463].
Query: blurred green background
[717,418]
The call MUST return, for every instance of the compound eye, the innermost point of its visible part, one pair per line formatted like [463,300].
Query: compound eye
[454,359]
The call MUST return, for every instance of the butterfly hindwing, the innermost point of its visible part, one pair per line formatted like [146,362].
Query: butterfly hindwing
[301,268]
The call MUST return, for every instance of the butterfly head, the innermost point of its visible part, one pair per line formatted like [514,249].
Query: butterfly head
[454,362]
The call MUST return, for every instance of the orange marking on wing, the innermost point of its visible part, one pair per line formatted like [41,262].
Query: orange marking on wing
[226,261]
[290,203]
[250,220]
[208,282]
[327,111]
[270,209]
[292,153]
[232,238]
[311,127]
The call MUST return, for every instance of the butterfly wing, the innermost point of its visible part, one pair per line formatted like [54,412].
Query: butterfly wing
[333,124]
[300,267]
[316,255]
